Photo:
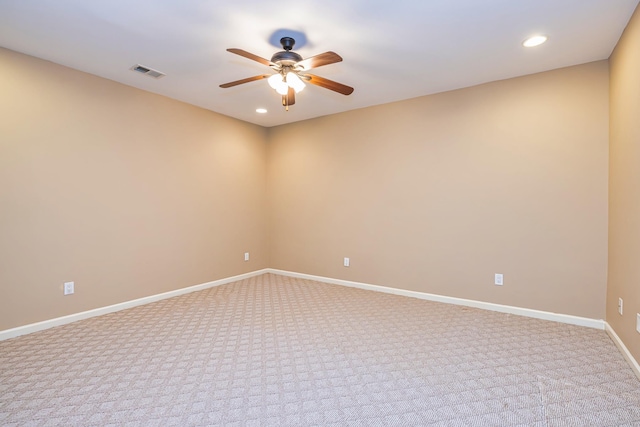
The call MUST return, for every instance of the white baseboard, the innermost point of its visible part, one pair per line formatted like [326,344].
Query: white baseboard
[39,326]
[563,318]
[545,315]
[623,349]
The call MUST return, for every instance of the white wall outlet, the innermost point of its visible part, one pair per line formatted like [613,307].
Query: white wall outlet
[499,279]
[620,303]
[69,288]
[638,322]
[346,262]
[246,256]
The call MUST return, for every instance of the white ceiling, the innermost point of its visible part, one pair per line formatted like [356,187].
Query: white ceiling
[392,50]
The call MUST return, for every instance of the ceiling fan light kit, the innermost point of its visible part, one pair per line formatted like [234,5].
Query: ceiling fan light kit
[291,72]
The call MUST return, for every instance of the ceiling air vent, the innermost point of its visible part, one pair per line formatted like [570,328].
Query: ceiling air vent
[147,71]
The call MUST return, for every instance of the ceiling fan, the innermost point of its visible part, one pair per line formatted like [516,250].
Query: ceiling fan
[291,72]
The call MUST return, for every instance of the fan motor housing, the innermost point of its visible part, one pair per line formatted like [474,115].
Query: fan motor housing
[286,57]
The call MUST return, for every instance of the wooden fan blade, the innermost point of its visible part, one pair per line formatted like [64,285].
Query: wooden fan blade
[319,60]
[251,56]
[329,84]
[247,80]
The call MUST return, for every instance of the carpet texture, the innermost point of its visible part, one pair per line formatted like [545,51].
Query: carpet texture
[273,350]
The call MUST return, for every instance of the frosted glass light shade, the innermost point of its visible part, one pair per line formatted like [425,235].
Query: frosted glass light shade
[294,81]
[277,82]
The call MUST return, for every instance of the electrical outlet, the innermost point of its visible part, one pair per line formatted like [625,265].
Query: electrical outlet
[620,303]
[499,279]
[246,256]
[69,288]
[346,262]
[638,322]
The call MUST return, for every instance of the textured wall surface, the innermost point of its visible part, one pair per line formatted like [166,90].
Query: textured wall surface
[131,194]
[126,193]
[438,193]
[624,187]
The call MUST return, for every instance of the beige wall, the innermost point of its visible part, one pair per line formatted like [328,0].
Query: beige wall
[124,192]
[131,194]
[438,193]
[624,187]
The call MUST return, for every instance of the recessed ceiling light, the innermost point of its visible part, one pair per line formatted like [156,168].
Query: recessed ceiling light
[261,110]
[534,41]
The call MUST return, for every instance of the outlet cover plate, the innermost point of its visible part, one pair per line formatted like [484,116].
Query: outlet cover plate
[638,322]
[499,279]
[69,288]
[347,262]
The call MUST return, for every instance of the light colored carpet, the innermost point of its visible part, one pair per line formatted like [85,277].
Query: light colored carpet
[273,350]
